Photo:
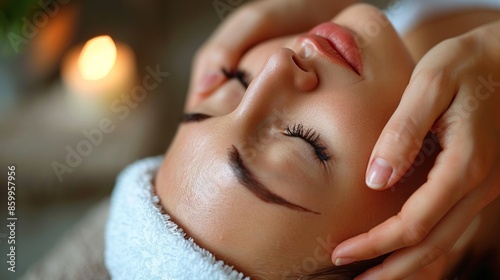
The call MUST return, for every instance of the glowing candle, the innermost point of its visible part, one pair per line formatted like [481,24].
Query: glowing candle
[97,58]
[98,72]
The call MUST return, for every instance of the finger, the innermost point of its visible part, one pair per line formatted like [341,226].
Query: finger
[249,25]
[404,262]
[201,89]
[221,53]
[240,31]
[246,27]
[427,96]
[463,165]
[227,44]
[446,185]
[431,271]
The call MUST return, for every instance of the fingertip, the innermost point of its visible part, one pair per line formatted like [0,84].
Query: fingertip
[343,261]
[208,81]
[338,256]
[379,173]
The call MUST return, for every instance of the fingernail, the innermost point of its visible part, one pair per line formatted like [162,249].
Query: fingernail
[208,81]
[379,174]
[344,261]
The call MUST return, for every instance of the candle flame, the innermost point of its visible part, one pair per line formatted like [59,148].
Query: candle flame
[97,58]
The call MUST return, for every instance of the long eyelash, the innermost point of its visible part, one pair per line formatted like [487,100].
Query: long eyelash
[240,75]
[194,117]
[311,137]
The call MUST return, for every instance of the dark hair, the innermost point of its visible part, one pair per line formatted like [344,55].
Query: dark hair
[345,272]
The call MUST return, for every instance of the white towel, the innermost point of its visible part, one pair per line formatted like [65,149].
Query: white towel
[143,243]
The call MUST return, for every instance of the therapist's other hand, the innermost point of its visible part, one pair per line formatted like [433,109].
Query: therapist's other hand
[249,25]
[455,92]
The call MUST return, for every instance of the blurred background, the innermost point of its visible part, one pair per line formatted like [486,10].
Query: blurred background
[63,123]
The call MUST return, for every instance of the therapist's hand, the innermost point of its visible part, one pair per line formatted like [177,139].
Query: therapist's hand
[455,91]
[249,25]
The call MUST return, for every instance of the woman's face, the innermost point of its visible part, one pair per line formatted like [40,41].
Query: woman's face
[274,179]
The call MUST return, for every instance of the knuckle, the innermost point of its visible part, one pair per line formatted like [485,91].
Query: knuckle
[211,54]
[413,233]
[461,45]
[403,133]
[250,12]
[472,42]
[464,44]
[257,12]
[401,144]
[397,133]
[478,168]
[489,35]
[435,80]
[431,255]
[374,251]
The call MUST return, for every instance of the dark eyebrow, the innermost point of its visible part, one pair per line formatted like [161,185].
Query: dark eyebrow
[248,180]
[194,117]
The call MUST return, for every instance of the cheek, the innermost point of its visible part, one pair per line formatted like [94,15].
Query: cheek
[225,218]
[192,171]
[385,57]
[355,123]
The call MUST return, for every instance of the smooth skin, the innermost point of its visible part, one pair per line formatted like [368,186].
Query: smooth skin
[453,90]
[291,83]
[249,25]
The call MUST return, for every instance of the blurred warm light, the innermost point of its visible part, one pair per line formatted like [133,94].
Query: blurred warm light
[97,58]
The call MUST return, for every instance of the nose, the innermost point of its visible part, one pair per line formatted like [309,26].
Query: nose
[284,78]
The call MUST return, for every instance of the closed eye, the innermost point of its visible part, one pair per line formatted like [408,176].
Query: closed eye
[311,137]
[194,117]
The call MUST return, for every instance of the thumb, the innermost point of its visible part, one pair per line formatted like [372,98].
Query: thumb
[426,97]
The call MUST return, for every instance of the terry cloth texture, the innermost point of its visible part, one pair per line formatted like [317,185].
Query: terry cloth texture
[143,243]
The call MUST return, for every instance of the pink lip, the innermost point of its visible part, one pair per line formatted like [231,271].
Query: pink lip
[337,44]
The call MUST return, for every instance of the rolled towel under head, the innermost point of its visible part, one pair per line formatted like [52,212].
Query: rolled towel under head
[143,243]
